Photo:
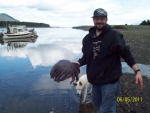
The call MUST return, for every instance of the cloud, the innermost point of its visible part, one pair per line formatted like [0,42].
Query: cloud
[44,55]
[76,12]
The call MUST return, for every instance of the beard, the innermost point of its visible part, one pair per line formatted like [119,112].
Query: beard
[99,26]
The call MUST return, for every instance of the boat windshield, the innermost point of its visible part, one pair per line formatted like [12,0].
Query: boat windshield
[15,30]
[20,30]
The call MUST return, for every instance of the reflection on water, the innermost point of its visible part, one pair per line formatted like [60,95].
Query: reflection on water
[25,83]
[145,69]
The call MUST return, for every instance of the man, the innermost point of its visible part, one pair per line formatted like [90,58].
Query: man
[102,49]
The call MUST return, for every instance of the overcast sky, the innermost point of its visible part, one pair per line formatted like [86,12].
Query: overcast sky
[68,13]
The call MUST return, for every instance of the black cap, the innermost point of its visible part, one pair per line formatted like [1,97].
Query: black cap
[99,12]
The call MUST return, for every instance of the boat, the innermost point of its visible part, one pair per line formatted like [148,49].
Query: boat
[17,33]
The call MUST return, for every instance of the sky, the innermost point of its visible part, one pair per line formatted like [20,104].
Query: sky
[69,13]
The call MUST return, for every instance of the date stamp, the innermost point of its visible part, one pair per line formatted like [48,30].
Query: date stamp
[129,99]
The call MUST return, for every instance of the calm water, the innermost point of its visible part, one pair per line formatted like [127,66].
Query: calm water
[25,85]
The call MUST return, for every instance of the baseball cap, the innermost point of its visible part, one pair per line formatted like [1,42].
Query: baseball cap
[99,12]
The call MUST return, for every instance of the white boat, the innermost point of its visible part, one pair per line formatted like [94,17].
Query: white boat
[18,33]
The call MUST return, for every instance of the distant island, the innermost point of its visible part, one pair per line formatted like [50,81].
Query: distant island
[87,27]
[84,27]
[28,24]
[6,20]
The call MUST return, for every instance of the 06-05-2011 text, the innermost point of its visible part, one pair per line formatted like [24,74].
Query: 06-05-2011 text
[129,99]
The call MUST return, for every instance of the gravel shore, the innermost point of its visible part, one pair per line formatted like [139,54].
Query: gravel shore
[131,99]
[138,38]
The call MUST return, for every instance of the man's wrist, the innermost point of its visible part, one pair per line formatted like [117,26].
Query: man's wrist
[136,71]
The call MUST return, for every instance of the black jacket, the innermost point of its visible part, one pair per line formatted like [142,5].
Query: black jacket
[102,56]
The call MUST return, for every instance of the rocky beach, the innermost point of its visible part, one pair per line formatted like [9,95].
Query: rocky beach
[131,100]
[138,38]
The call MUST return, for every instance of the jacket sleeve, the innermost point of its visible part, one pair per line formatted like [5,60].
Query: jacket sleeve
[123,50]
[82,60]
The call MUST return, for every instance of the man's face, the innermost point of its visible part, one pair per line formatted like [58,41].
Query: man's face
[99,22]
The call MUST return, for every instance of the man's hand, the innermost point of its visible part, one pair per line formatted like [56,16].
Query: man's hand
[77,63]
[139,80]
[138,77]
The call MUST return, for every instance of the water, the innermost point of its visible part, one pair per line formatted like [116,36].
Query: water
[25,85]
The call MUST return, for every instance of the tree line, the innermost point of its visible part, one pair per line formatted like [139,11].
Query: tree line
[145,22]
[28,24]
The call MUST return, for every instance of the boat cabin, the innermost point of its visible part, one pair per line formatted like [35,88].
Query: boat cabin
[16,29]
